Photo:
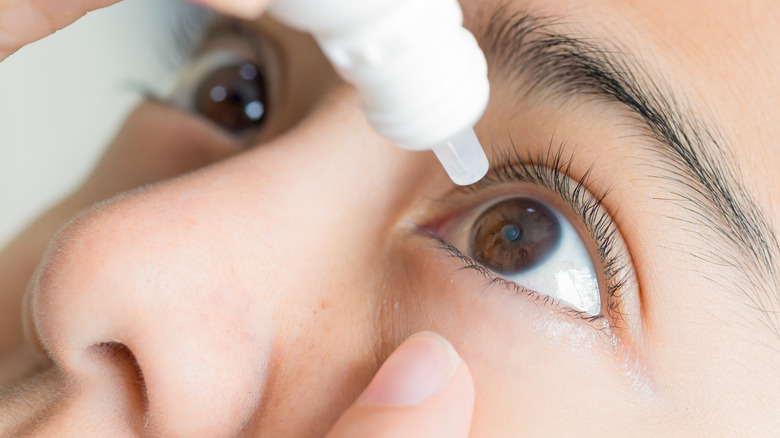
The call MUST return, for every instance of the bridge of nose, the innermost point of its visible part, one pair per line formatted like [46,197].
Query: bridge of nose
[212,280]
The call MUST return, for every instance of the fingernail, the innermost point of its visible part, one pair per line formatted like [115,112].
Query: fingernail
[246,9]
[419,369]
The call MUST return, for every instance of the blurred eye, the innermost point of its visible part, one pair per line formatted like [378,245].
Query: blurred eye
[225,84]
[528,242]
[233,97]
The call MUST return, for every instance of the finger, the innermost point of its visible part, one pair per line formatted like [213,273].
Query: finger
[247,9]
[25,21]
[422,390]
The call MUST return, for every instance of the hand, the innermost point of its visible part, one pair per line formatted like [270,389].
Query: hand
[422,390]
[25,21]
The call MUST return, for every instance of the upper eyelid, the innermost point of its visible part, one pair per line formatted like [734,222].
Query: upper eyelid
[223,27]
[506,161]
[232,28]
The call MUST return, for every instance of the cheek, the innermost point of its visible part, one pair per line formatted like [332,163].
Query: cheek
[534,368]
[156,143]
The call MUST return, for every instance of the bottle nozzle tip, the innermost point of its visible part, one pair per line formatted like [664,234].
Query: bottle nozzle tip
[463,158]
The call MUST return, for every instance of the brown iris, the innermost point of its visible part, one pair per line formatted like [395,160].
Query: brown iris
[233,97]
[514,235]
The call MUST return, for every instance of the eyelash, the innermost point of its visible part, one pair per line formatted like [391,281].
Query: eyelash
[550,170]
[184,34]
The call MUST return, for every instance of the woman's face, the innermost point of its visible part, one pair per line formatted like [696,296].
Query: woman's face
[616,274]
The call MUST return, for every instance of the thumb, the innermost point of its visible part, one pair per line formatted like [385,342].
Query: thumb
[247,9]
[422,390]
[25,21]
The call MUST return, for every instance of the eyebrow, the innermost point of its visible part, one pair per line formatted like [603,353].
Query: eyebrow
[701,171]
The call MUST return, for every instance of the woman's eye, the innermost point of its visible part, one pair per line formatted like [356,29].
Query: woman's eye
[226,85]
[233,97]
[529,243]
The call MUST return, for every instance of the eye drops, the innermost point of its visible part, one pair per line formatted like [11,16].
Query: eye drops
[463,158]
[420,75]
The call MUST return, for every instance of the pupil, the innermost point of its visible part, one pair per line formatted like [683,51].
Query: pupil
[514,235]
[233,97]
[511,233]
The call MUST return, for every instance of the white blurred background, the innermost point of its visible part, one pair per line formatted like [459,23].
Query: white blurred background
[63,98]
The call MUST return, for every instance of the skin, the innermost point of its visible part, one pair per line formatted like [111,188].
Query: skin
[259,294]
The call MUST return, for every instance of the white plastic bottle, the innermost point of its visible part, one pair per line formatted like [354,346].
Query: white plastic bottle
[420,75]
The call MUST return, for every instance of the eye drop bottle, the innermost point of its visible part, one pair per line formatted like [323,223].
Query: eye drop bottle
[420,75]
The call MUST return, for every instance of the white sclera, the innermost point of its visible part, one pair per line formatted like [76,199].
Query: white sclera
[567,274]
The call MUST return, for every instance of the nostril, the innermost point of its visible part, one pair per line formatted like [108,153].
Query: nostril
[118,363]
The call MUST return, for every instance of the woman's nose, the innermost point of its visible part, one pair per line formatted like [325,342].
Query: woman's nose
[205,283]
[160,286]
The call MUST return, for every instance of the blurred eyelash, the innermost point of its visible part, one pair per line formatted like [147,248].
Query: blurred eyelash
[550,170]
[186,31]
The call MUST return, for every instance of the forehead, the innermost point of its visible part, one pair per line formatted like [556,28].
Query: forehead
[721,59]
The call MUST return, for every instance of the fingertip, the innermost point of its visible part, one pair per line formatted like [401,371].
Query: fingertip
[419,369]
[245,9]
[423,389]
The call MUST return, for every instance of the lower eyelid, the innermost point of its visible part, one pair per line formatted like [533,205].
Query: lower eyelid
[516,313]
[493,278]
